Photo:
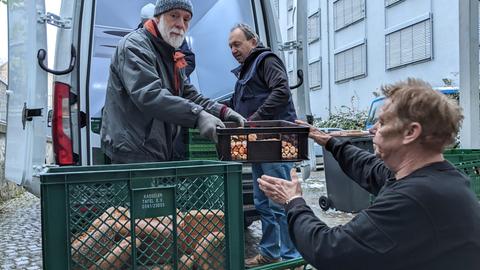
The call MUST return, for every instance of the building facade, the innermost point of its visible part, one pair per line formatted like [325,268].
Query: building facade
[355,46]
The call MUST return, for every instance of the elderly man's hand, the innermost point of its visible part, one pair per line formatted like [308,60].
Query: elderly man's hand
[207,125]
[231,115]
[317,135]
[280,190]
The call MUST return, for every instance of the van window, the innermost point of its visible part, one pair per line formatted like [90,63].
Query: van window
[374,112]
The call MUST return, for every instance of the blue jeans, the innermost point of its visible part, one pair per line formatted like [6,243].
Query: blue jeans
[275,242]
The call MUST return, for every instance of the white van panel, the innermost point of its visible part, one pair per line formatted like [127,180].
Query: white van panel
[25,144]
[209,40]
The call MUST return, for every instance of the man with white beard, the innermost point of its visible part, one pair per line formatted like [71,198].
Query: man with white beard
[148,95]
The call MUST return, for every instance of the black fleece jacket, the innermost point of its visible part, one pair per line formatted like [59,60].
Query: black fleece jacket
[428,220]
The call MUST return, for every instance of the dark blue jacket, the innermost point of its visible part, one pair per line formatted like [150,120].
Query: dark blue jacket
[262,91]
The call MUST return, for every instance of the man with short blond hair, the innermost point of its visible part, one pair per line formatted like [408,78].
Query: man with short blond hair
[148,95]
[425,216]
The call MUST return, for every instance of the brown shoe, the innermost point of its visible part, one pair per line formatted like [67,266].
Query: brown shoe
[259,260]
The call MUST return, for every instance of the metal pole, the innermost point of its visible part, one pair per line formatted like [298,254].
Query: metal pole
[303,92]
[469,61]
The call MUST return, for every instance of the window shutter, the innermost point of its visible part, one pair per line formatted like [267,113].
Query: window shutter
[339,14]
[351,63]
[314,27]
[347,12]
[315,74]
[409,45]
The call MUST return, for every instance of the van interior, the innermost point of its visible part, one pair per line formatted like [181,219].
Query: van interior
[207,38]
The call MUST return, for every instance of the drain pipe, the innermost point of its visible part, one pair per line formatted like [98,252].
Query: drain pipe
[329,79]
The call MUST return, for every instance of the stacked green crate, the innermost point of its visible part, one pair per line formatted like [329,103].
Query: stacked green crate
[461,155]
[468,162]
[169,215]
[472,169]
[200,148]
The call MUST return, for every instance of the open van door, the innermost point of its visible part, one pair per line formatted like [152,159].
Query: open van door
[27,93]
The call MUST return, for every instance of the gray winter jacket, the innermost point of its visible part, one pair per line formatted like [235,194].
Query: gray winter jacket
[143,110]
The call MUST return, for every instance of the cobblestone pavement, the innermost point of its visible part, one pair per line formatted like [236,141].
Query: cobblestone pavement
[20,233]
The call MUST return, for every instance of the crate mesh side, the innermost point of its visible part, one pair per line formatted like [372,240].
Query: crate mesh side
[472,169]
[101,232]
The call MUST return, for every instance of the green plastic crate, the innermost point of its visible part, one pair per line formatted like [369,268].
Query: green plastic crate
[202,148]
[143,216]
[462,151]
[472,169]
[461,155]
[195,138]
[203,155]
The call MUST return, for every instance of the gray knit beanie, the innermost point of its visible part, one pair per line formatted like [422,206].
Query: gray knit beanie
[163,6]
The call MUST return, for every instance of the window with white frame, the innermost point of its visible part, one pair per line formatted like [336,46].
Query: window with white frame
[313,25]
[347,12]
[315,74]
[351,63]
[409,45]
[391,2]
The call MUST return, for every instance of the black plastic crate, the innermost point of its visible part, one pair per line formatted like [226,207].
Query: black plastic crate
[263,141]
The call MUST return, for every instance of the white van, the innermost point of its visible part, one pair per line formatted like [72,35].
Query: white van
[88,32]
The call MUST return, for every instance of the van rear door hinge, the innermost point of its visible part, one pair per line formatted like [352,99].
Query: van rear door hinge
[28,114]
[291,45]
[54,19]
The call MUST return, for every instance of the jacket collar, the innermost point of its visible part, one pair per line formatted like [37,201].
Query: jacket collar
[238,71]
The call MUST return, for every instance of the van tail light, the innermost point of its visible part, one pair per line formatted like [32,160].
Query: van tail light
[61,125]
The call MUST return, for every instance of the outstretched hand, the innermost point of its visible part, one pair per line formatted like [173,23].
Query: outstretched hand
[317,135]
[280,190]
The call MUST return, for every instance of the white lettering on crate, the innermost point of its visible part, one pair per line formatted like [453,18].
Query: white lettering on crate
[153,200]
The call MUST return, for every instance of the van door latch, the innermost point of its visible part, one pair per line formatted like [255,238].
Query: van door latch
[28,114]
[54,19]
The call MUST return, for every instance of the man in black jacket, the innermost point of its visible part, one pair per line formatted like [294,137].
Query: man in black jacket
[424,216]
[262,93]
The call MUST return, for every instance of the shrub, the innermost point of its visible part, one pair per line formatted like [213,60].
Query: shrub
[345,117]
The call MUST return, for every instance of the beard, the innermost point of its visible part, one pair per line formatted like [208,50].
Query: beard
[174,40]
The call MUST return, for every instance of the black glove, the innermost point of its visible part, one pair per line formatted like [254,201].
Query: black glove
[207,125]
[231,115]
